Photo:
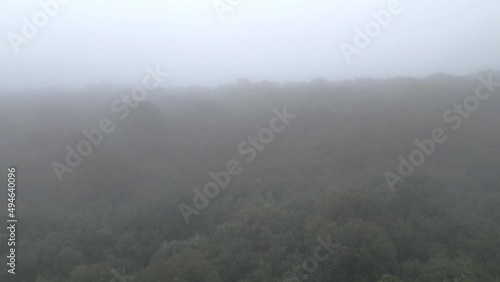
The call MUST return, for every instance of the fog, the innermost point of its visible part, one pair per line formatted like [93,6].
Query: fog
[250,141]
[87,42]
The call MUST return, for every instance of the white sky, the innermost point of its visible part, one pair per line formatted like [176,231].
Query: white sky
[295,40]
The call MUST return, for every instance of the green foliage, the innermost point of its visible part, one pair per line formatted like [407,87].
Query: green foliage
[91,273]
[322,177]
[189,265]
[389,278]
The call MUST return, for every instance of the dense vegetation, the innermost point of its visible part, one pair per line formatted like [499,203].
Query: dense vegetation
[320,179]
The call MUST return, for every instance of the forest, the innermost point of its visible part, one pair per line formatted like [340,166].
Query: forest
[256,182]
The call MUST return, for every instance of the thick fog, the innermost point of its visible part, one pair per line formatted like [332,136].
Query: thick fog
[74,43]
[250,141]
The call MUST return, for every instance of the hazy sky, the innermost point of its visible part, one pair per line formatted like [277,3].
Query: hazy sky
[88,41]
